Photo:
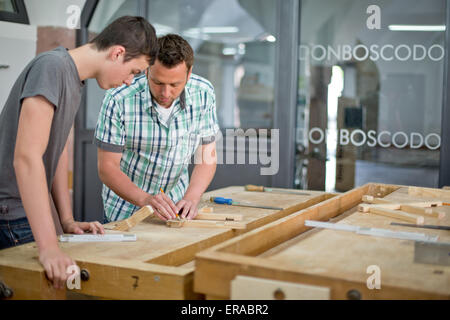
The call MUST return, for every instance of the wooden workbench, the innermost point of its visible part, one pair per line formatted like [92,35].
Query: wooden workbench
[159,265]
[286,259]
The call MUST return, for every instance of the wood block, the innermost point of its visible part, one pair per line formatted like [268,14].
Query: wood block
[374,200]
[132,221]
[429,192]
[397,215]
[206,210]
[426,212]
[251,288]
[364,207]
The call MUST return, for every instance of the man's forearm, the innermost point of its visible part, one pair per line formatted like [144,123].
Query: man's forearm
[202,176]
[203,172]
[60,189]
[31,179]
[122,185]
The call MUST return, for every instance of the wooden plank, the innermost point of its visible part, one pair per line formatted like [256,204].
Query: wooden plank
[329,258]
[251,288]
[391,204]
[426,212]
[429,192]
[397,215]
[419,208]
[29,284]
[364,207]
[138,216]
[206,209]
[219,216]
[205,224]
[374,200]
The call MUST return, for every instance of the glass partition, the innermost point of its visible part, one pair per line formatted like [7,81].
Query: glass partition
[370,93]
[234,43]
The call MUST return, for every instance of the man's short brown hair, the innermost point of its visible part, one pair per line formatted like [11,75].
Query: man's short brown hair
[135,34]
[173,50]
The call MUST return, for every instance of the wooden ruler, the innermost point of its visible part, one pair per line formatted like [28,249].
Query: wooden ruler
[110,237]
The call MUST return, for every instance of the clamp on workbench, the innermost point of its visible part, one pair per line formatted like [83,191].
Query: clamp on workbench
[5,291]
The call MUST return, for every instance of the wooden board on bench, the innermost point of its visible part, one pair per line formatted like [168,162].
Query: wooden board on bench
[288,251]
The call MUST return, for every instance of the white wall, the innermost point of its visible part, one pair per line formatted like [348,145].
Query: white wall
[18,47]
[18,41]
[50,12]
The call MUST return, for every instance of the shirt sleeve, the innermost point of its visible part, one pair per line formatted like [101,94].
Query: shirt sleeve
[209,125]
[45,78]
[110,130]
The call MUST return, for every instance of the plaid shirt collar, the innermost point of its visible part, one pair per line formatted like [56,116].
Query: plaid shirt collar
[183,100]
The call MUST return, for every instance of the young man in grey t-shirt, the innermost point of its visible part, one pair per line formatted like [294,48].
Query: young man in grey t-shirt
[34,127]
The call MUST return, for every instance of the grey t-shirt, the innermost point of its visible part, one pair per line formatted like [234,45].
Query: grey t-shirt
[54,76]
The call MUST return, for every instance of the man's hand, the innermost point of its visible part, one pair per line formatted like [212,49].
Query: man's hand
[71,226]
[112,176]
[188,208]
[164,207]
[55,263]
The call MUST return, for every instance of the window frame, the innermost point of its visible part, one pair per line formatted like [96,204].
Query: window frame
[19,16]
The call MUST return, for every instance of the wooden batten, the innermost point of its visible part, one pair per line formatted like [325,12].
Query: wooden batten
[429,193]
[397,215]
[425,212]
[138,216]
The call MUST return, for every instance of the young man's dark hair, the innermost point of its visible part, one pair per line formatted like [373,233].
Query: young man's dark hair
[173,50]
[135,34]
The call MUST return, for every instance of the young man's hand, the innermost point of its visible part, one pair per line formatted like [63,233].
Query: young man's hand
[72,226]
[188,208]
[56,264]
[164,207]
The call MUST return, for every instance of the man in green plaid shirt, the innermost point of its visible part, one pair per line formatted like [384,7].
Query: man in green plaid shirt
[147,133]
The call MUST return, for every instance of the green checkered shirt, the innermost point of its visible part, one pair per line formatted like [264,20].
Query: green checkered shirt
[154,154]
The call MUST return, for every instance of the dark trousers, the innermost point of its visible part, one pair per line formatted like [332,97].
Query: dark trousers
[14,233]
[17,232]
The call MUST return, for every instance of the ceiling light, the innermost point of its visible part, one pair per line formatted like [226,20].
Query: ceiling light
[405,27]
[220,29]
[271,38]
[229,51]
